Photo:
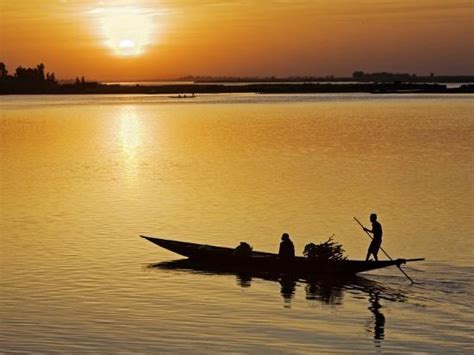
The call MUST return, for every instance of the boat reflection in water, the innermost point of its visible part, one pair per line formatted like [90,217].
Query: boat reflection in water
[327,290]
[288,288]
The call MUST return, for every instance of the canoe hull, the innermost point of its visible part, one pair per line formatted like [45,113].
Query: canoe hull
[267,262]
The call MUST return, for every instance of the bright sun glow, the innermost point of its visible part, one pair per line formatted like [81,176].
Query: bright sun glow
[126,30]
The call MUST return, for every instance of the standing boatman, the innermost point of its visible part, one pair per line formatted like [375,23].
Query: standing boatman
[377,239]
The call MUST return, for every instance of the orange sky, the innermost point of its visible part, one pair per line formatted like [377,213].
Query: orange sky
[145,39]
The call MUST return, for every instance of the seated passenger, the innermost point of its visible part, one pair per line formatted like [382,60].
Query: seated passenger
[287,249]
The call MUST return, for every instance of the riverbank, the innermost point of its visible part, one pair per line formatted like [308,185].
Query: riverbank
[280,88]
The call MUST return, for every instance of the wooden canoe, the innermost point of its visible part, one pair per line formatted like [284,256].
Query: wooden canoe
[268,262]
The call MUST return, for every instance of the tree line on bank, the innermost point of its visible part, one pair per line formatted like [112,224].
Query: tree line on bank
[27,78]
[36,81]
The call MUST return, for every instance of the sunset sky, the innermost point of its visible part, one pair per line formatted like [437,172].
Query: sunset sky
[145,39]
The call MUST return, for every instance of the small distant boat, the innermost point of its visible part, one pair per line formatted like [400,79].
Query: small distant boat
[192,96]
[269,262]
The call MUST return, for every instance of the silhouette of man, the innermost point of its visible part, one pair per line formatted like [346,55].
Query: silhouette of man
[377,239]
[287,249]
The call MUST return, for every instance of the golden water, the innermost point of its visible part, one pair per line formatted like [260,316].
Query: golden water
[83,176]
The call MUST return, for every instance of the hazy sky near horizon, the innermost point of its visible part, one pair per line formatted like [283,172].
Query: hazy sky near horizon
[145,39]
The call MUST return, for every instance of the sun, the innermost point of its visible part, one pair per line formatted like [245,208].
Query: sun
[127,47]
[127,31]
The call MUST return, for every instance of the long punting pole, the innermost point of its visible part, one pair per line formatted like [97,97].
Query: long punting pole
[388,256]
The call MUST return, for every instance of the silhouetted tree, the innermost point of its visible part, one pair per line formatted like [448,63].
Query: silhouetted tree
[50,77]
[3,71]
[358,75]
[27,80]
[40,71]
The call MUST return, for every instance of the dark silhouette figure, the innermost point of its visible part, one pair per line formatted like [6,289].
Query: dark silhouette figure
[379,324]
[377,239]
[287,249]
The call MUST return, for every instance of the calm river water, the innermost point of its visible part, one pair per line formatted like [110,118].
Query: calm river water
[83,176]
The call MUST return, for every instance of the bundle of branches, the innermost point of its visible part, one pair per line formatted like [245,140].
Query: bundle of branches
[328,250]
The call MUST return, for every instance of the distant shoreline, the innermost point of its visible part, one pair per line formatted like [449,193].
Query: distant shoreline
[36,81]
[260,88]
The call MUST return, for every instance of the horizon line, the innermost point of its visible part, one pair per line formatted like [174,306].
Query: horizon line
[266,77]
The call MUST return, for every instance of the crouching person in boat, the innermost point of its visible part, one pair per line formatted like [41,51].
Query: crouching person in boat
[287,249]
[243,249]
[377,239]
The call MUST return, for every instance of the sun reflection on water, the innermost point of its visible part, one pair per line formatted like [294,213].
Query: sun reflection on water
[129,130]
[130,135]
